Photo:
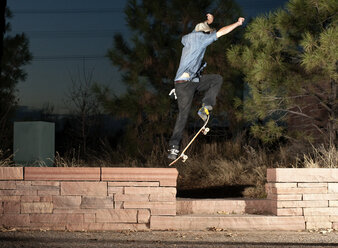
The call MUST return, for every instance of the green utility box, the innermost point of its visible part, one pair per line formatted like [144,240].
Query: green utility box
[34,143]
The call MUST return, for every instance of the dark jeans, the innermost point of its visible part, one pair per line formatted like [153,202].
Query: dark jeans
[185,92]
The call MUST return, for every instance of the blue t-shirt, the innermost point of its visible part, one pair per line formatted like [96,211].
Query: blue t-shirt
[195,44]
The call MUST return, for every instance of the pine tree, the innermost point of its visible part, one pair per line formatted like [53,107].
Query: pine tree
[149,61]
[290,65]
[15,55]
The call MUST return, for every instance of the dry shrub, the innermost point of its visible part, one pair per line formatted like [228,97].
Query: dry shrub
[5,159]
[321,157]
[68,161]
[250,169]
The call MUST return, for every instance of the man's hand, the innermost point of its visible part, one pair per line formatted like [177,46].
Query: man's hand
[240,21]
[227,29]
[210,18]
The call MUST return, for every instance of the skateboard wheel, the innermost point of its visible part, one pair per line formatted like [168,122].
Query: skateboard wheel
[206,130]
[184,158]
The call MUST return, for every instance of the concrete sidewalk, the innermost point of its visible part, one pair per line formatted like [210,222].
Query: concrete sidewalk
[126,239]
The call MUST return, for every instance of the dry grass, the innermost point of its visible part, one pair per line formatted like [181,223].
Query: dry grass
[5,159]
[211,164]
[321,157]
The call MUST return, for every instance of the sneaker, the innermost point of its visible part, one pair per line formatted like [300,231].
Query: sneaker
[204,112]
[173,152]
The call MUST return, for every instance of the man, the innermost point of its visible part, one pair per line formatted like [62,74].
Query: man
[188,78]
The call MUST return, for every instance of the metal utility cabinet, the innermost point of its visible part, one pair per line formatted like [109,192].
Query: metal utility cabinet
[34,143]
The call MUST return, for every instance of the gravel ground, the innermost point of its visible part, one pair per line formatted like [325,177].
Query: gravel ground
[209,239]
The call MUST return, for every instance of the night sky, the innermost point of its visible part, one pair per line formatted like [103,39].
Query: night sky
[68,35]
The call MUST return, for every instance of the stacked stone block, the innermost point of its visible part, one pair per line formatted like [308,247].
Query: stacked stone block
[85,198]
[309,192]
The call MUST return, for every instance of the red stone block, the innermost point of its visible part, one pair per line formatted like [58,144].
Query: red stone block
[50,192]
[156,208]
[97,202]
[115,190]
[296,191]
[57,218]
[118,205]
[14,220]
[150,190]
[320,211]
[89,218]
[168,211]
[302,175]
[18,192]
[287,211]
[317,219]
[319,197]
[125,198]
[107,227]
[285,197]
[9,198]
[30,198]
[12,207]
[66,202]
[133,184]
[46,199]
[302,204]
[333,187]
[318,225]
[183,207]
[314,218]
[143,216]
[24,185]
[166,176]
[281,185]
[45,183]
[162,197]
[74,211]
[7,185]
[191,222]
[168,182]
[62,174]
[36,207]
[312,185]
[84,188]
[11,173]
[116,216]
[193,206]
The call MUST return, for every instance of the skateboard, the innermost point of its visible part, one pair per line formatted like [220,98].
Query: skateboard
[204,129]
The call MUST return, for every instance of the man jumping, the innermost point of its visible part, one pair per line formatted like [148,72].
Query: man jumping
[188,78]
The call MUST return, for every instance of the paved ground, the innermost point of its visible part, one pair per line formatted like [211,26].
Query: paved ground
[209,239]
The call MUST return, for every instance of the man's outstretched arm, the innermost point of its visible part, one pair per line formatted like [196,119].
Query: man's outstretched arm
[227,29]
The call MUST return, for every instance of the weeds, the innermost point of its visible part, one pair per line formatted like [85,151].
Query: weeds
[227,163]
[5,159]
[321,157]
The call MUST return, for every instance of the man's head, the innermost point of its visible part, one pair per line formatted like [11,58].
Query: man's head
[204,27]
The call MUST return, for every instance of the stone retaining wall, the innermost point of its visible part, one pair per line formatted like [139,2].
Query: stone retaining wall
[311,193]
[85,198]
[96,199]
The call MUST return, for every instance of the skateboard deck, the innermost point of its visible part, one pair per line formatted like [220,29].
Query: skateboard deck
[204,129]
